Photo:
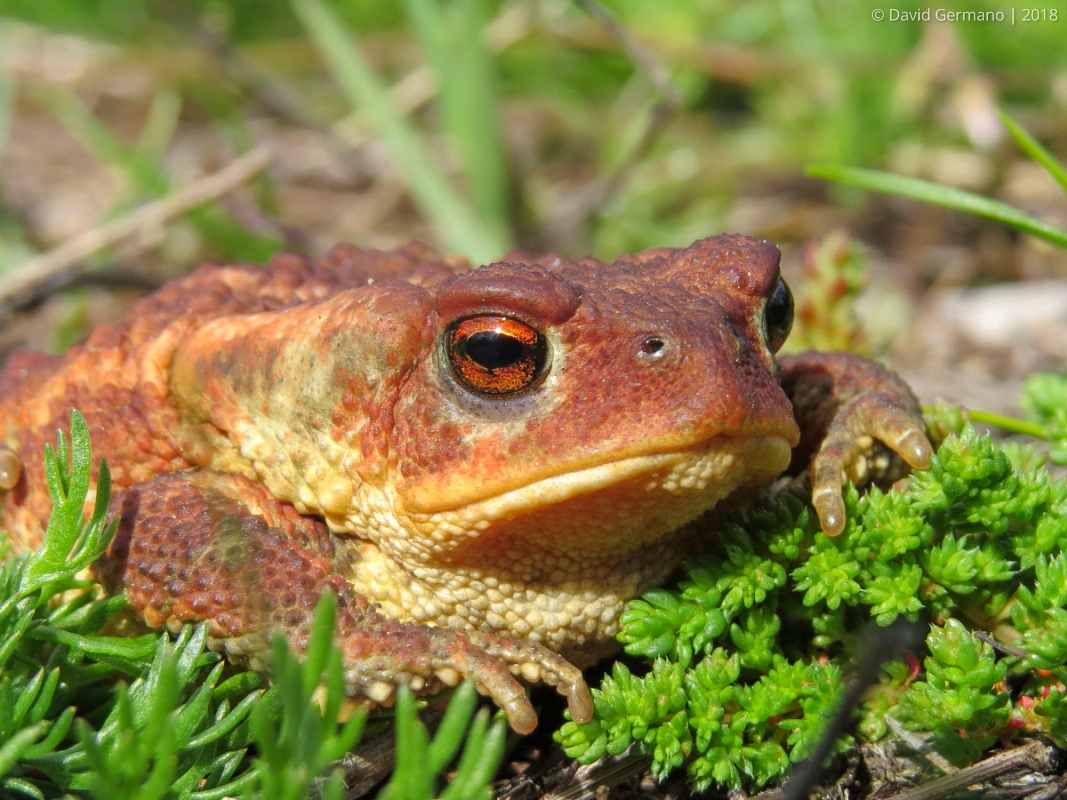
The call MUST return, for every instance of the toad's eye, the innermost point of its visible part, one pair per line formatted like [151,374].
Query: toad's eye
[495,356]
[778,316]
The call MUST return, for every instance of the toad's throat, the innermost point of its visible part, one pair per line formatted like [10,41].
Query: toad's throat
[557,560]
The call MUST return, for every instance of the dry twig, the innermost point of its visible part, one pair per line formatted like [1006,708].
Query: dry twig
[1036,756]
[25,278]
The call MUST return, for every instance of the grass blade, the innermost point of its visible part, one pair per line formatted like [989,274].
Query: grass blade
[164,113]
[449,213]
[7,105]
[450,733]
[139,169]
[452,36]
[1029,145]
[946,196]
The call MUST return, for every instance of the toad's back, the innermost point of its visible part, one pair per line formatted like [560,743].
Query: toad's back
[119,377]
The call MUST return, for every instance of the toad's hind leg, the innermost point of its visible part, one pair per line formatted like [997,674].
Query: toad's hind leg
[203,546]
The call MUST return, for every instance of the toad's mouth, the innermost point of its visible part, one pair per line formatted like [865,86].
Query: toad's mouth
[704,472]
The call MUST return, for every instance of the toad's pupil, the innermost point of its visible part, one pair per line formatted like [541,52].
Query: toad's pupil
[493,350]
[778,316]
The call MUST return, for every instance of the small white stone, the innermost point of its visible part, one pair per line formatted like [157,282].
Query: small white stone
[379,691]
[448,675]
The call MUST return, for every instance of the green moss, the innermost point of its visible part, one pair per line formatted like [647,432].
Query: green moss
[751,645]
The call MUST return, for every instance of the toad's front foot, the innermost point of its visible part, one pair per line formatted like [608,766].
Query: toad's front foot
[859,422]
[381,654]
[535,663]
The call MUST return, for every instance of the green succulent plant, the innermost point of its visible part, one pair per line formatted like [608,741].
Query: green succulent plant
[747,654]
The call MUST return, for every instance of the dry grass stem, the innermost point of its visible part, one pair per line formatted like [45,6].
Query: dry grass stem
[25,278]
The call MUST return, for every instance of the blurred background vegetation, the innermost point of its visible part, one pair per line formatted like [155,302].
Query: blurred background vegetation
[565,125]
[479,126]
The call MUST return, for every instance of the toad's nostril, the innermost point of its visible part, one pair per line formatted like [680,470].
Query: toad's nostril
[653,346]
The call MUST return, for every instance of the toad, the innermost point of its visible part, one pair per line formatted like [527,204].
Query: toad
[483,465]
